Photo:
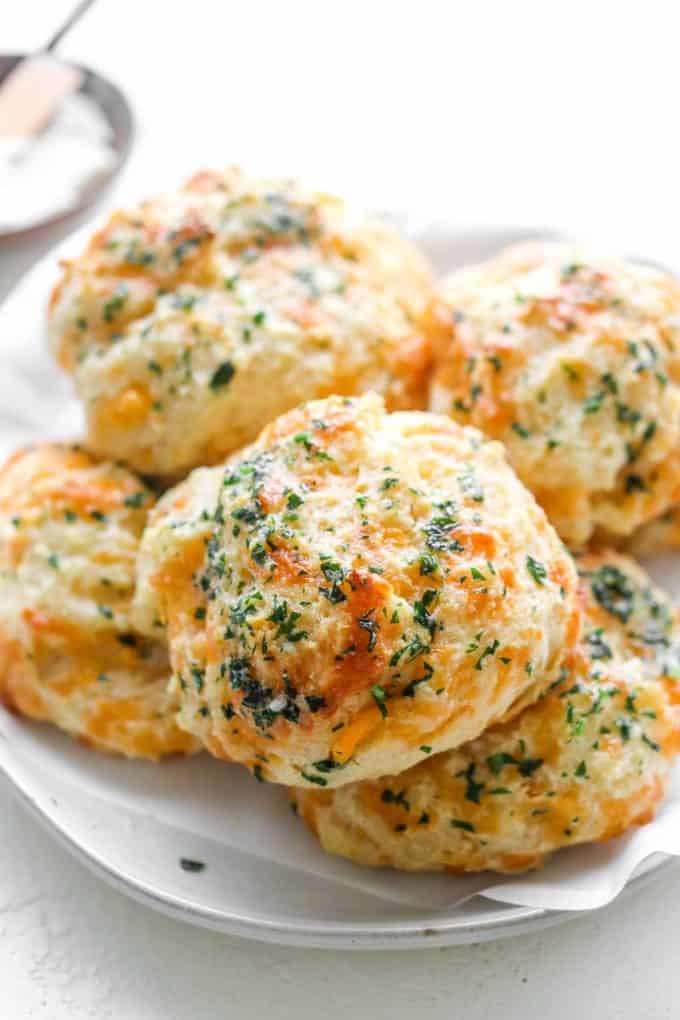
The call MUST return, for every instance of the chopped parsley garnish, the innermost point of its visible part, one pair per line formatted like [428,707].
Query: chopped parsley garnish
[335,574]
[473,789]
[470,485]
[594,402]
[302,439]
[327,765]
[181,250]
[421,615]
[222,375]
[286,620]
[536,569]
[317,780]
[379,697]
[428,564]
[489,650]
[388,483]
[410,690]
[189,864]
[634,483]
[525,766]
[114,305]
[458,823]
[614,592]
[610,382]
[597,646]
[367,624]
[438,532]
[134,500]
[498,761]
[625,729]
[390,797]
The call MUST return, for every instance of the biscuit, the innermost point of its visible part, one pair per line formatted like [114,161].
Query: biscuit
[660,534]
[193,320]
[572,361]
[69,654]
[587,761]
[351,587]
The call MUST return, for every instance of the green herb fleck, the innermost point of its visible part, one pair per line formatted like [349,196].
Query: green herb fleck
[222,375]
[536,569]
[379,697]
[189,864]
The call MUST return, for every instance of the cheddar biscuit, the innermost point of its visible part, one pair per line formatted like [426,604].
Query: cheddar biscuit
[352,587]
[586,762]
[573,361]
[660,534]
[193,320]
[69,654]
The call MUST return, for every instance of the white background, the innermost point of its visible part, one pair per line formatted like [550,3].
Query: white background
[540,114]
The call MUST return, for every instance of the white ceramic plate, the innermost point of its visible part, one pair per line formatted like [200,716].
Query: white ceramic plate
[239,893]
[134,823]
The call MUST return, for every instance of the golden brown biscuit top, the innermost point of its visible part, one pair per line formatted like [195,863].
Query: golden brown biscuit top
[220,222]
[574,362]
[69,653]
[59,502]
[379,577]
[659,535]
[191,321]
[590,758]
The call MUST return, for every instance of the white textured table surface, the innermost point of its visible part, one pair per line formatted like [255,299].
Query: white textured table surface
[505,113]
[71,948]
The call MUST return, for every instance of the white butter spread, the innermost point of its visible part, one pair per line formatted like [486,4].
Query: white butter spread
[44,176]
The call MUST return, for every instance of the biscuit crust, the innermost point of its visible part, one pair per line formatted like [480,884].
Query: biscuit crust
[587,761]
[194,319]
[660,534]
[351,587]
[572,361]
[69,653]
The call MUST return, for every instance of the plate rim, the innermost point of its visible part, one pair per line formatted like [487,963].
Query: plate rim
[439,930]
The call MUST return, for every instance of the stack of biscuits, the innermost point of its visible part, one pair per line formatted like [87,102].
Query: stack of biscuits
[364,532]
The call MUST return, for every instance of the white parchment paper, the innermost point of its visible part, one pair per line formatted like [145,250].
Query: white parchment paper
[223,802]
